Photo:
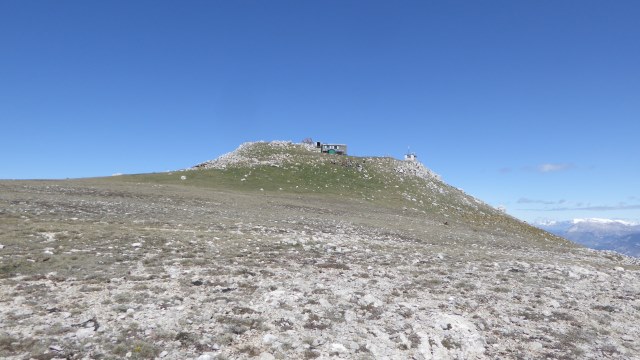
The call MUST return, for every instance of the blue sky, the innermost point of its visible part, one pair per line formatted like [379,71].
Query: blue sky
[534,105]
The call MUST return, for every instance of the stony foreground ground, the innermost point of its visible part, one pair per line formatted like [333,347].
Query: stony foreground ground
[106,269]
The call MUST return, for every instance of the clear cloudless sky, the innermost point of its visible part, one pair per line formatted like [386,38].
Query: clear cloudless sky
[532,105]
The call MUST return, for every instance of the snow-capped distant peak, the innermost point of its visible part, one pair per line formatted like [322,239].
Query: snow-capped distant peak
[603,221]
[603,234]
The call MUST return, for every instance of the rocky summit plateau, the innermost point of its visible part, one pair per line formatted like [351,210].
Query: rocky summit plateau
[276,251]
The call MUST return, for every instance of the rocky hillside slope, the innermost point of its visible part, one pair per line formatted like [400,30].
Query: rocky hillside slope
[277,252]
[286,167]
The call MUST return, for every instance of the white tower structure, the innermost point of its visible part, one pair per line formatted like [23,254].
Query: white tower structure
[410,156]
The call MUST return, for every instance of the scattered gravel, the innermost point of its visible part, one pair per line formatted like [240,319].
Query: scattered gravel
[105,268]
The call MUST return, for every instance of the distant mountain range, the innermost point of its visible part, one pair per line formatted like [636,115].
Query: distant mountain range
[601,234]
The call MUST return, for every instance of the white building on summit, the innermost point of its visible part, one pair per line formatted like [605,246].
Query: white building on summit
[410,157]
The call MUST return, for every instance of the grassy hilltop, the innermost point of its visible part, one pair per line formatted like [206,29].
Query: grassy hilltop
[284,168]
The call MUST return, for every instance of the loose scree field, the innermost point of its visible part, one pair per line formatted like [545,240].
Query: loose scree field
[276,251]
